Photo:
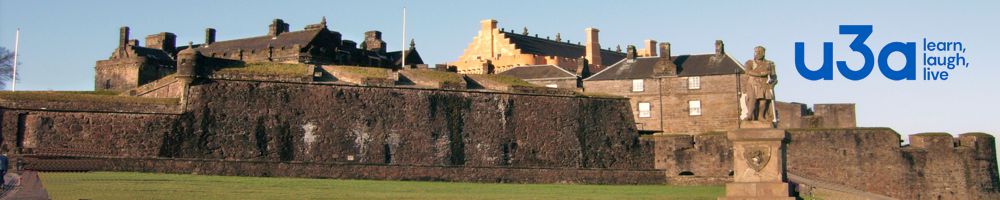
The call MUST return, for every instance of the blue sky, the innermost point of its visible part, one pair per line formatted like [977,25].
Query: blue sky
[61,40]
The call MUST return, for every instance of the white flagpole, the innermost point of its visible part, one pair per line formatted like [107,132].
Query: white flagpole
[17,44]
[402,52]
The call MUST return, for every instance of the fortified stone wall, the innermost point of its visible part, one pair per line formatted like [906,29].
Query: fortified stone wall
[126,129]
[272,121]
[384,172]
[425,132]
[251,120]
[494,136]
[118,75]
[934,166]
[123,134]
[704,155]
[798,115]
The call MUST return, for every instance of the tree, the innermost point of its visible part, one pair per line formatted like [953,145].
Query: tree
[6,66]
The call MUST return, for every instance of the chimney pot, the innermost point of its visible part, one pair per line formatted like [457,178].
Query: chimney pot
[277,27]
[719,48]
[164,41]
[665,50]
[209,36]
[582,67]
[123,36]
[631,52]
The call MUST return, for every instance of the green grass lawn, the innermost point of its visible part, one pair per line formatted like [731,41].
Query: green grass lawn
[84,96]
[128,185]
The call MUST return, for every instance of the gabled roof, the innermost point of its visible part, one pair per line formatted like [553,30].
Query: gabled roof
[687,65]
[532,72]
[542,46]
[302,38]
[154,54]
[412,57]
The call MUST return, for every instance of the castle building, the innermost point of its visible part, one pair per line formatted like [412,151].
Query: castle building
[672,94]
[132,65]
[693,94]
[494,51]
[687,94]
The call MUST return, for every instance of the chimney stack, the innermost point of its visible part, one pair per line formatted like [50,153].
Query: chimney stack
[719,48]
[665,65]
[123,36]
[631,52]
[209,36]
[163,41]
[582,67]
[593,54]
[277,27]
[665,50]
[650,49]
[373,42]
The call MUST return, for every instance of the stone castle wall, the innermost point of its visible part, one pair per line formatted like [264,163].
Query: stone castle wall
[798,115]
[260,121]
[869,159]
[694,156]
[324,123]
[117,75]
[237,127]
[934,166]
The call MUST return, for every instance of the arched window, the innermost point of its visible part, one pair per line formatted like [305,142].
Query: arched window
[686,173]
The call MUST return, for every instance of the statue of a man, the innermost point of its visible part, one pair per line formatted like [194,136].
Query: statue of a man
[758,93]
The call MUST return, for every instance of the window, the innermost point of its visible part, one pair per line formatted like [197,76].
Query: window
[637,85]
[644,109]
[552,85]
[694,107]
[694,83]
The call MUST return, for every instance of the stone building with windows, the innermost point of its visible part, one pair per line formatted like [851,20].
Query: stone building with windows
[496,50]
[132,65]
[684,94]
[693,94]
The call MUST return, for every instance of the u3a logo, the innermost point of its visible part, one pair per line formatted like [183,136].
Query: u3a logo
[825,72]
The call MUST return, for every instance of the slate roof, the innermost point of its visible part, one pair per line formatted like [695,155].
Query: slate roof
[412,57]
[154,54]
[687,65]
[531,72]
[288,39]
[542,46]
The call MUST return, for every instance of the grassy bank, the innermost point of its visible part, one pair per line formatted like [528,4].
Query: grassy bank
[127,185]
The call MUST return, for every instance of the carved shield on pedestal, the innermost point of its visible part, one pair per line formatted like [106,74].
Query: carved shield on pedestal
[757,157]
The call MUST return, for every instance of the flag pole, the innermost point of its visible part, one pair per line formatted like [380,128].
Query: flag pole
[17,44]
[402,52]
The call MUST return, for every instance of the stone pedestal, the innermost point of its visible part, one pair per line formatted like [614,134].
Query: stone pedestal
[759,165]
[756,124]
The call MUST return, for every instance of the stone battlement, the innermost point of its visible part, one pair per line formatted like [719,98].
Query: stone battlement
[978,141]
[799,115]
